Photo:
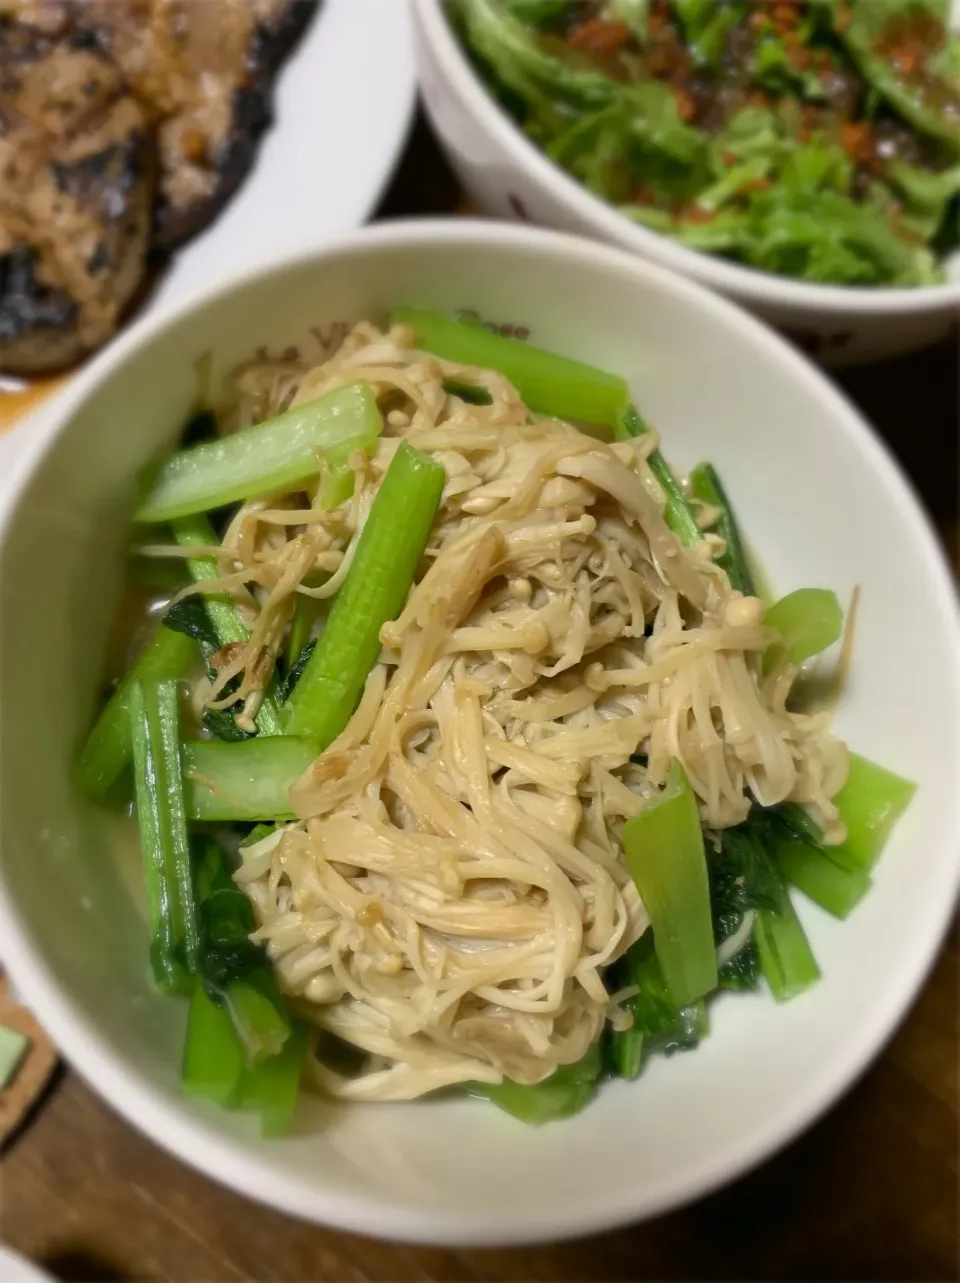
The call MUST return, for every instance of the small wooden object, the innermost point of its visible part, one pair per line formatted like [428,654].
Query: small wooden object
[33,1072]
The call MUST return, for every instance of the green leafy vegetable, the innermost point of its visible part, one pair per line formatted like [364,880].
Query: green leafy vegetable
[663,847]
[296,671]
[234,970]
[272,1086]
[213,1055]
[248,780]
[706,486]
[549,384]
[659,1026]
[870,803]
[905,50]
[388,553]
[164,844]
[271,456]
[467,392]
[818,141]
[742,880]
[225,627]
[677,513]
[565,1092]
[786,959]
[107,751]
[808,620]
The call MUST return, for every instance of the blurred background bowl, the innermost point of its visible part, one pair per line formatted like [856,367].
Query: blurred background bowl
[819,498]
[507,176]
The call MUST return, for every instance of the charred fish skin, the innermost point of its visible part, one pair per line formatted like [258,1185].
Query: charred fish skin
[110,148]
[77,183]
[228,153]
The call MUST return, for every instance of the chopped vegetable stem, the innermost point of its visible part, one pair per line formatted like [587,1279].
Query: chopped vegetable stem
[663,846]
[706,486]
[272,1086]
[549,384]
[870,803]
[224,616]
[246,780]
[163,832]
[213,1058]
[107,751]
[811,870]
[388,553]
[677,512]
[271,456]
[786,958]
[808,620]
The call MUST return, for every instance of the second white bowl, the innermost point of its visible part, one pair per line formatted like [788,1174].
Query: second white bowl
[506,176]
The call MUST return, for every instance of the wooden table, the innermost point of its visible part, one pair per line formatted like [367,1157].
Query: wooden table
[870,1193]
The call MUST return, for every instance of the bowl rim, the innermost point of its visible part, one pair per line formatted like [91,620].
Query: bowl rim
[746,284]
[170,1121]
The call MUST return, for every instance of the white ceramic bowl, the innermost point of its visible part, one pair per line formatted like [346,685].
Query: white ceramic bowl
[507,176]
[823,503]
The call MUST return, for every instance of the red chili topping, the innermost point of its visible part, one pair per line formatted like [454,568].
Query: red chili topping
[600,36]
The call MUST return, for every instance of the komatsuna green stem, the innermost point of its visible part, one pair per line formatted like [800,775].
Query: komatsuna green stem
[808,620]
[786,959]
[163,833]
[549,384]
[565,1092]
[870,804]
[273,1085]
[196,531]
[107,751]
[706,486]
[388,553]
[247,780]
[663,846]
[271,456]
[811,870]
[677,512]
[213,1058]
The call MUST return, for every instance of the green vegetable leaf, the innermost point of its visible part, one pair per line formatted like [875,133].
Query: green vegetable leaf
[285,689]
[190,616]
[905,49]
[502,41]
[565,1092]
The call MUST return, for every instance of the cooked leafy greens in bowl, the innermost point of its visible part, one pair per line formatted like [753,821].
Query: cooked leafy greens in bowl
[467,753]
[818,141]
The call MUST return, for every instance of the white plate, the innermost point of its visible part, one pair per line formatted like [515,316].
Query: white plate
[343,105]
[17,1269]
[342,108]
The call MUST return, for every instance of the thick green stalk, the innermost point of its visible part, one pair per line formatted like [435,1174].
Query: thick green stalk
[707,487]
[565,1092]
[196,530]
[808,620]
[163,833]
[388,553]
[677,512]
[870,803]
[213,1059]
[626,1050]
[811,870]
[786,958]
[549,384]
[105,755]
[272,1086]
[663,846]
[305,614]
[275,455]
[246,780]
